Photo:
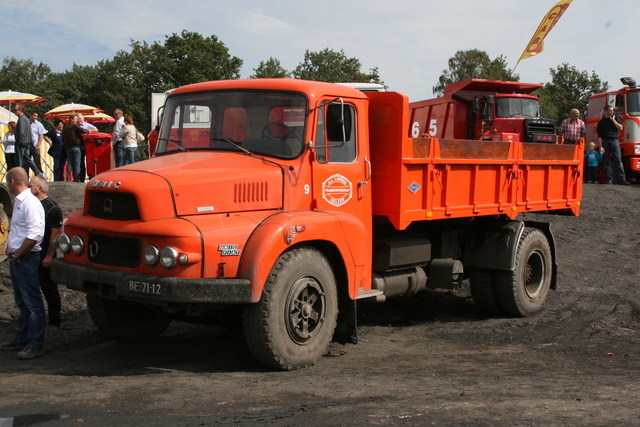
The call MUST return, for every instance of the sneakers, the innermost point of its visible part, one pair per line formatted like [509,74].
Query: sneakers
[10,346]
[625,183]
[30,353]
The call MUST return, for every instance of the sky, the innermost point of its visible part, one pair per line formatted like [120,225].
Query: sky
[410,41]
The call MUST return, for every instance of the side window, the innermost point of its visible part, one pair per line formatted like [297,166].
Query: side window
[620,104]
[332,130]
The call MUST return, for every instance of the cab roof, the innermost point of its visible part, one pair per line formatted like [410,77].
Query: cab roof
[497,86]
[311,88]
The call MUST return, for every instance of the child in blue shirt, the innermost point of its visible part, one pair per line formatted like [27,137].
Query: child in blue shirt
[593,160]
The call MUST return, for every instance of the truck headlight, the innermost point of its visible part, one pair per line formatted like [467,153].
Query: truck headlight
[77,245]
[151,255]
[64,243]
[637,148]
[169,257]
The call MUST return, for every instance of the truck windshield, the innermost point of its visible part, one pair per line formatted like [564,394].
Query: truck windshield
[517,107]
[268,123]
[633,103]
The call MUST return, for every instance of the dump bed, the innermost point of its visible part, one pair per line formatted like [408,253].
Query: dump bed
[417,179]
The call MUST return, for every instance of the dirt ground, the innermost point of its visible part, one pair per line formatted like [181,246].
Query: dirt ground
[430,360]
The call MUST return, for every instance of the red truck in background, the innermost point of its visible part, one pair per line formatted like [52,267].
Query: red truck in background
[483,109]
[293,199]
[626,102]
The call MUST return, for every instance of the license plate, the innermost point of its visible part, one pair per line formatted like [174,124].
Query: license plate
[145,287]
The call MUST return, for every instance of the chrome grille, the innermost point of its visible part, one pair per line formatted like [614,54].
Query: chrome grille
[114,251]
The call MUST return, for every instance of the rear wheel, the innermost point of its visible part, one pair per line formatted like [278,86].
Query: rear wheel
[294,321]
[123,322]
[524,291]
[483,290]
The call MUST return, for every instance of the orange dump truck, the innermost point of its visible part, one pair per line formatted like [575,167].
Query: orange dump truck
[292,200]
[483,109]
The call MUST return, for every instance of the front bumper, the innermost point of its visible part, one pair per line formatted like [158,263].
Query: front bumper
[149,288]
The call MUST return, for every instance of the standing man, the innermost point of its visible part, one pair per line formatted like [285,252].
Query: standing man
[56,149]
[23,251]
[52,230]
[37,136]
[85,125]
[24,141]
[83,154]
[572,128]
[72,140]
[608,128]
[118,143]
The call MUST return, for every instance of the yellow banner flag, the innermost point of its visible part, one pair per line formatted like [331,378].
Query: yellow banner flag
[536,45]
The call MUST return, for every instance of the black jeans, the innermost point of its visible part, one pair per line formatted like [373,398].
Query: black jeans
[51,294]
[25,157]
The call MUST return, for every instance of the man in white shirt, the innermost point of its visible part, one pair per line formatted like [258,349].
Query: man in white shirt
[23,251]
[118,143]
[85,125]
[83,155]
[37,136]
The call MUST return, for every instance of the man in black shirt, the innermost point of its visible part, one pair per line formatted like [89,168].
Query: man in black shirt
[52,230]
[608,130]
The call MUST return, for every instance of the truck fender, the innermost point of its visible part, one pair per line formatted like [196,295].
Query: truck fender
[273,236]
[494,246]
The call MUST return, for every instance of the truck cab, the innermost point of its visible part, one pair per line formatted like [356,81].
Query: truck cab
[249,181]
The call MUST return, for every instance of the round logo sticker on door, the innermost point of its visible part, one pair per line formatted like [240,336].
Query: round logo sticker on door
[337,190]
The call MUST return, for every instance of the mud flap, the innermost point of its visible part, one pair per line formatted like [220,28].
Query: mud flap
[346,329]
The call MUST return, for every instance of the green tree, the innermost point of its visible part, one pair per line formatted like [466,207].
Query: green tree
[569,88]
[473,64]
[128,80]
[192,58]
[270,69]
[334,67]
[23,75]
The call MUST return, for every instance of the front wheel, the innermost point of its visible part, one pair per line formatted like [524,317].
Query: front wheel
[123,322]
[292,325]
[524,291]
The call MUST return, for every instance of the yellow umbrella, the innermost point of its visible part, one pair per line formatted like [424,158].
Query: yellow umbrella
[68,109]
[8,97]
[91,118]
[98,118]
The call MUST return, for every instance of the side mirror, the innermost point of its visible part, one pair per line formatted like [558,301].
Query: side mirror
[475,106]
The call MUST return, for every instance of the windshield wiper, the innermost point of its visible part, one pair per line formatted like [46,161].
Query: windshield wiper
[232,142]
[174,142]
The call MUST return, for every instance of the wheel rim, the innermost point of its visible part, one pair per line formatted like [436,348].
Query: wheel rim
[534,274]
[305,312]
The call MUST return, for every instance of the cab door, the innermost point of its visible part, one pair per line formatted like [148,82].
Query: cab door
[341,173]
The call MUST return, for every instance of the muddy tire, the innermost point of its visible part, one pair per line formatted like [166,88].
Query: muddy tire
[524,291]
[292,325]
[123,322]
[483,291]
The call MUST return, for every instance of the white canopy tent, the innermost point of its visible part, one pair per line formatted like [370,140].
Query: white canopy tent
[6,116]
